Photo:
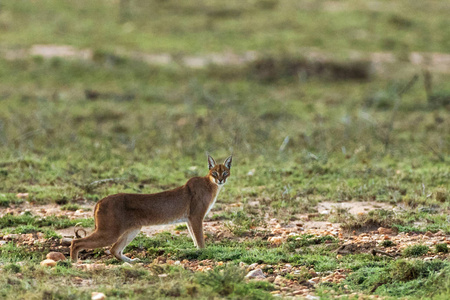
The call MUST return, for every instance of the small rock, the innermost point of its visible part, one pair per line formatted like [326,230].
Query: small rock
[383,230]
[311,297]
[97,296]
[162,275]
[314,280]
[11,237]
[255,274]
[79,212]
[2,243]
[127,264]
[252,266]
[429,234]
[48,263]
[276,240]
[278,280]
[56,256]
[91,267]
[22,195]
[161,259]
[66,241]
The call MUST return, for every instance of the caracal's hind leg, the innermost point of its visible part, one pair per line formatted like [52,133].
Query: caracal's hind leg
[197,230]
[122,242]
[191,232]
[97,239]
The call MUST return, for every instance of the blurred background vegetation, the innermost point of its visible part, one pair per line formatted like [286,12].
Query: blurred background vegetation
[337,100]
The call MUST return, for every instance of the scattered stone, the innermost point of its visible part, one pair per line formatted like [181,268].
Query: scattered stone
[252,266]
[2,243]
[256,274]
[11,237]
[278,280]
[162,275]
[160,260]
[127,264]
[66,241]
[97,296]
[276,240]
[314,280]
[48,263]
[429,234]
[383,230]
[91,267]
[56,256]
[311,297]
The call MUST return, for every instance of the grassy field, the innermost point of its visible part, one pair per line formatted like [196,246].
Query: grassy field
[301,132]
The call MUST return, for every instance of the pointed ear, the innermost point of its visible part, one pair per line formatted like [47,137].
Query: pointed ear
[227,162]
[211,162]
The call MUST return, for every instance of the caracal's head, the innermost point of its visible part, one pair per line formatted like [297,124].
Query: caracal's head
[218,173]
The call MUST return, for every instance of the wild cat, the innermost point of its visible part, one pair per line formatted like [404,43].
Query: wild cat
[119,217]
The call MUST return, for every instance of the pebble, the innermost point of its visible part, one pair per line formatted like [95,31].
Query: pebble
[276,240]
[255,274]
[56,256]
[48,263]
[383,230]
[97,296]
[278,280]
[252,266]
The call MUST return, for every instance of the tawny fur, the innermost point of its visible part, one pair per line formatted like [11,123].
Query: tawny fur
[119,218]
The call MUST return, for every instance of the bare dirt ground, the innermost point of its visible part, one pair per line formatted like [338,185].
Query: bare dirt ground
[381,61]
[275,231]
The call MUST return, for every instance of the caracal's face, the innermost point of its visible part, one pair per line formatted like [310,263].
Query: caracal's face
[219,174]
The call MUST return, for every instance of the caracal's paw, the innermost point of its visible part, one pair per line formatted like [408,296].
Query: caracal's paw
[129,260]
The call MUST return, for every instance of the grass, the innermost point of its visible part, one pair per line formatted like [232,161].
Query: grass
[416,250]
[212,26]
[401,278]
[301,131]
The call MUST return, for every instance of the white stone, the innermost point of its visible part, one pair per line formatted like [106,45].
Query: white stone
[97,296]
[257,273]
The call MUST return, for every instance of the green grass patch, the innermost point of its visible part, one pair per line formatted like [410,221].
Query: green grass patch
[416,250]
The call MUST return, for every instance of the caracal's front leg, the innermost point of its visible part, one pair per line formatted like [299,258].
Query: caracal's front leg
[191,233]
[196,226]
[124,240]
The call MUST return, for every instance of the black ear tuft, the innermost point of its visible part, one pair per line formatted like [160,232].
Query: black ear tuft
[211,162]
[227,162]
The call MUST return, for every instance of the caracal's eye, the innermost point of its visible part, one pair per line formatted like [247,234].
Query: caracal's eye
[215,174]
[225,173]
